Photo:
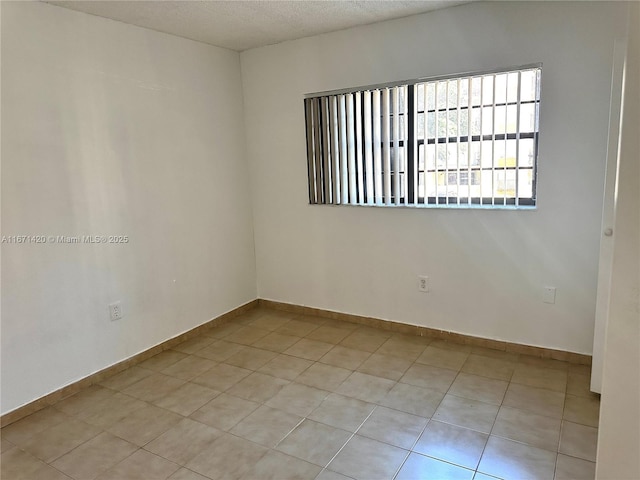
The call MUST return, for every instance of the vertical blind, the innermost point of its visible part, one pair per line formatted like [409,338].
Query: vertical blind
[464,140]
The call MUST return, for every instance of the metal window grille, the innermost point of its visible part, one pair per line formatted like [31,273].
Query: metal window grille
[462,140]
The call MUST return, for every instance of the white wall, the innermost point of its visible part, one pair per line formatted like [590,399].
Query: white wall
[116,130]
[487,268]
[619,432]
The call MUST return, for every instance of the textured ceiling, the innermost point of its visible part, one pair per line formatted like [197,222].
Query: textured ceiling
[240,25]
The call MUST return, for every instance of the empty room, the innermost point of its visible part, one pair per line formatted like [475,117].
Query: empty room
[332,240]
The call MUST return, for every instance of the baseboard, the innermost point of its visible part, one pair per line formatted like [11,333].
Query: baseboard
[56,396]
[541,352]
[100,375]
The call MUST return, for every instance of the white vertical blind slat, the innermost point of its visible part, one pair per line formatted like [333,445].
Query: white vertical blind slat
[368,147]
[351,148]
[396,145]
[308,109]
[335,150]
[344,173]
[318,150]
[377,147]
[405,138]
[386,154]
[359,135]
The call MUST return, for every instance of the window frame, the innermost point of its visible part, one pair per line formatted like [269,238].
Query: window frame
[411,198]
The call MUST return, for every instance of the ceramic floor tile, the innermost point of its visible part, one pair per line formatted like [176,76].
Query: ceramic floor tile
[483,476]
[187,398]
[278,466]
[220,350]
[247,335]
[507,459]
[5,445]
[536,400]
[452,444]
[189,367]
[424,468]
[297,328]
[94,457]
[286,367]
[475,387]
[250,358]
[223,331]
[343,412]
[84,399]
[364,340]
[583,410]
[228,457]
[466,413]
[194,344]
[125,378]
[429,377]
[385,366]
[309,349]
[270,321]
[154,387]
[110,410]
[579,441]
[543,362]
[404,346]
[488,367]
[314,442]
[258,387]
[276,342]
[540,377]
[224,411]
[186,474]
[22,430]
[325,377]
[16,464]
[144,424]
[579,385]
[438,357]
[411,399]
[393,427]
[60,439]
[183,441]
[298,399]
[222,377]
[328,334]
[570,468]
[365,387]
[47,472]
[344,357]
[527,427]
[266,426]
[342,324]
[141,465]
[162,360]
[580,369]
[366,459]
[329,475]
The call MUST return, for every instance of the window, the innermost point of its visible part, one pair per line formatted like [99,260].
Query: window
[450,141]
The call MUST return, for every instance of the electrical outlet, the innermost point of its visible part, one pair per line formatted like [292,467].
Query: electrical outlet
[115,311]
[423,283]
[549,295]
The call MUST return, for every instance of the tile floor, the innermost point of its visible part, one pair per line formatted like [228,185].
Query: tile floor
[280,396]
